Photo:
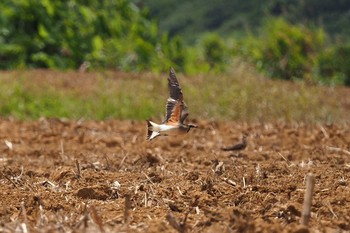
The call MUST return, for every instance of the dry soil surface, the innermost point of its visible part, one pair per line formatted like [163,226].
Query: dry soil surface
[90,176]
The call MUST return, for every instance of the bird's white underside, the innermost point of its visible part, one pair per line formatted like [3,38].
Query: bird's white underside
[162,127]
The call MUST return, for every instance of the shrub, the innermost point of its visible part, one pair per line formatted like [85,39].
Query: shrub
[65,34]
[215,51]
[283,51]
[334,65]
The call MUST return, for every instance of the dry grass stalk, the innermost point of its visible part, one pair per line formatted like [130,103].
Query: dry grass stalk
[14,179]
[149,179]
[336,149]
[323,130]
[175,224]
[78,169]
[127,207]
[42,219]
[96,218]
[108,165]
[63,156]
[86,217]
[328,204]
[180,192]
[62,148]
[23,225]
[228,181]
[9,179]
[145,199]
[285,159]
[219,168]
[24,212]
[122,161]
[310,184]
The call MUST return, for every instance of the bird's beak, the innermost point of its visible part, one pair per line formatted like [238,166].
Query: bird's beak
[191,126]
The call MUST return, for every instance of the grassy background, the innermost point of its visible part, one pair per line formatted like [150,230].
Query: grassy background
[240,95]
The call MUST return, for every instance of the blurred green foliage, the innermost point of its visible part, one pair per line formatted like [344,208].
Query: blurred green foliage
[258,26]
[65,34]
[283,50]
[236,17]
[334,64]
[287,51]
[215,51]
[119,35]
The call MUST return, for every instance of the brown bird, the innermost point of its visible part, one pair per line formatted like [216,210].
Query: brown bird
[239,146]
[176,113]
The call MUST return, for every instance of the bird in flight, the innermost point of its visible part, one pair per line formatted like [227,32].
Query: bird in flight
[239,146]
[176,113]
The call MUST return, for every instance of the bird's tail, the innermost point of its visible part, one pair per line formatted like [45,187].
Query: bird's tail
[152,130]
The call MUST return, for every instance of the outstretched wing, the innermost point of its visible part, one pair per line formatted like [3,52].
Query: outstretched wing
[176,108]
[184,112]
[175,112]
[174,86]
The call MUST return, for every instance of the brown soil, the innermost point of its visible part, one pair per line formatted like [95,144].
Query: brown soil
[58,176]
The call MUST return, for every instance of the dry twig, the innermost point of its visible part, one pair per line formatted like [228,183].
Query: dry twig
[9,179]
[96,218]
[328,204]
[310,183]
[175,224]
[127,207]
[78,169]
[86,217]
[122,162]
[323,130]
[23,225]
[284,158]
[336,149]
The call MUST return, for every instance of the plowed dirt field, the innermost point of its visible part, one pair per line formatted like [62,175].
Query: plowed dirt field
[103,176]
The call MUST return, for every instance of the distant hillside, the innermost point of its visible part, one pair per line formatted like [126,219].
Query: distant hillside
[236,17]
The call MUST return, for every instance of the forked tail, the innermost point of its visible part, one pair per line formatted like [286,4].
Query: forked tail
[150,133]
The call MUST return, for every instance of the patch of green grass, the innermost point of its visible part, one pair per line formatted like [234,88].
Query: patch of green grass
[245,96]
[29,97]
[240,95]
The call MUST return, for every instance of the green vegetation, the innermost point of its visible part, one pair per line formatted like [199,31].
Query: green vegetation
[282,38]
[294,52]
[65,34]
[242,95]
[284,51]
[334,64]
[119,35]
[33,95]
[237,18]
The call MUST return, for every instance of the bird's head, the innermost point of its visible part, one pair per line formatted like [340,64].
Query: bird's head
[191,126]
